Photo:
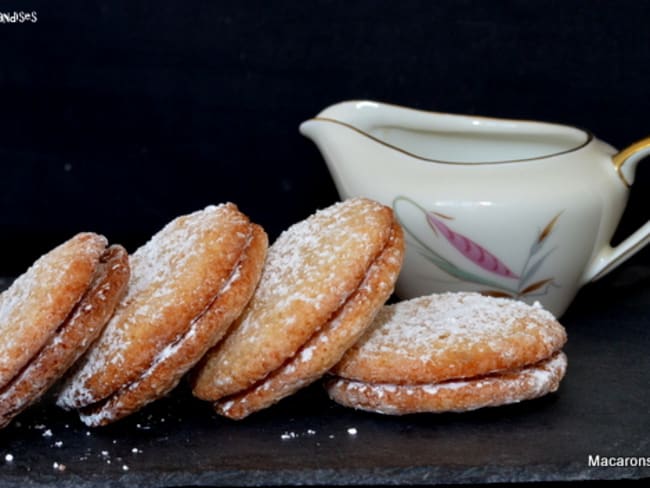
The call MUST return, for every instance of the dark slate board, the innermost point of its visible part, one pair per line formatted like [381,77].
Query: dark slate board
[602,408]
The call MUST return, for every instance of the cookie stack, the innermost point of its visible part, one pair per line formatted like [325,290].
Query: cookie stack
[252,324]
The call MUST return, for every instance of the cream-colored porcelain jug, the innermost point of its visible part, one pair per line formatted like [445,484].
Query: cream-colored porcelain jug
[505,207]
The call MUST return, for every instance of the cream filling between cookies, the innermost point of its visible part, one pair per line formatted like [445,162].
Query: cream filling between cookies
[95,413]
[39,385]
[535,379]
[54,340]
[304,354]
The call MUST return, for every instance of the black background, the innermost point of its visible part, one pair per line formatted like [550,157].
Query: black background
[118,116]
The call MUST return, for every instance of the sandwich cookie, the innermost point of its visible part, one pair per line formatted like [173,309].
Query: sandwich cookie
[451,352]
[51,314]
[188,284]
[324,280]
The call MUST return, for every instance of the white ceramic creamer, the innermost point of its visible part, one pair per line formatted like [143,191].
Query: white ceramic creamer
[506,207]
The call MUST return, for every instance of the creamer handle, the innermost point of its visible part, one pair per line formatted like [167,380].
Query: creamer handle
[625,163]
[626,160]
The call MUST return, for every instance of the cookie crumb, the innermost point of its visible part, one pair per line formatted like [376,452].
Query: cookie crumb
[288,435]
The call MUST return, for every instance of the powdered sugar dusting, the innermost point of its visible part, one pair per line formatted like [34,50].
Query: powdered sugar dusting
[174,360]
[306,259]
[410,328]
[40,299]
[450,335]
[310,271]
[174,255]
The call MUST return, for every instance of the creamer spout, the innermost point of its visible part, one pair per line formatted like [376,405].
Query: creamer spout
[312,129]
[345,150]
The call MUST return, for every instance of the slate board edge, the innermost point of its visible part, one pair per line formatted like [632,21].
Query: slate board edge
[438,475]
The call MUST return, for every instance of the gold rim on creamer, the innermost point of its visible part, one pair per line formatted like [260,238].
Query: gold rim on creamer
[587,133]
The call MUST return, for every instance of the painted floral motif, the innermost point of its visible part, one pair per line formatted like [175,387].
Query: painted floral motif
[524,282]
[468,248]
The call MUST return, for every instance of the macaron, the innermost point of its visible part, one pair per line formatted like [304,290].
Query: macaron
[188,283]
[324,280]
[51,314]
[451,352]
